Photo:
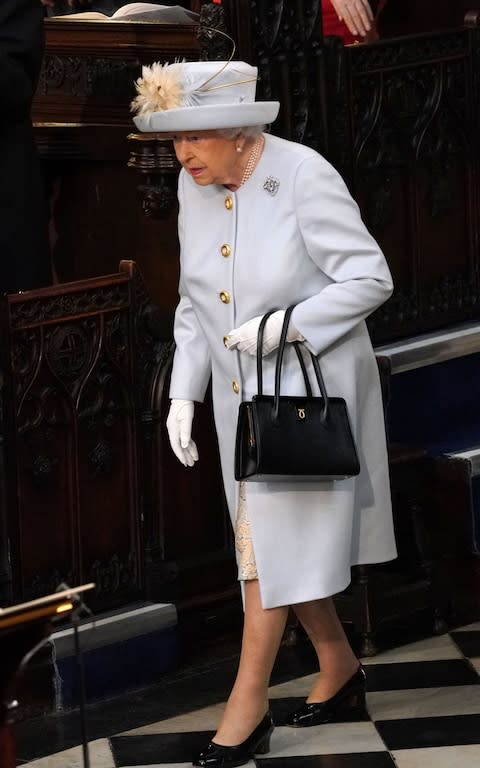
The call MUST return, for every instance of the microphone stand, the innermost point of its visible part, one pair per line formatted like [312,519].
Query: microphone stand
[81,682]
[79,609]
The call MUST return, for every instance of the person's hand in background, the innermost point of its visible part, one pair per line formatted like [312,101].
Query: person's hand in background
[356,14]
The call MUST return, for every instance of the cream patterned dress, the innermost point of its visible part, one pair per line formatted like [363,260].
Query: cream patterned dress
[247,567]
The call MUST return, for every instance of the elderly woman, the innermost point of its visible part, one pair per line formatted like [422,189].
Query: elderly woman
[265,223]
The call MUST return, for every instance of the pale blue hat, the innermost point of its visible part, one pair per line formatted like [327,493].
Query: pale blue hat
[200,95]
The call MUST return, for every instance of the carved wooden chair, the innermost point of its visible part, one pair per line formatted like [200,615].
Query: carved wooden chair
[71,380]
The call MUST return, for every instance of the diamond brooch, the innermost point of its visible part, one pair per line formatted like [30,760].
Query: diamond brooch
[271,185]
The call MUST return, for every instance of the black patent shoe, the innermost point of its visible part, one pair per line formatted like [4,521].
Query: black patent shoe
[347,701]
[218,756]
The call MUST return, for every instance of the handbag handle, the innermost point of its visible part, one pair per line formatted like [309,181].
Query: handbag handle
[278,366]
[315,363]
[261,330]
[260,334]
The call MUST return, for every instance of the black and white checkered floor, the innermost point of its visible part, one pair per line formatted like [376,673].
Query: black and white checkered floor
[423,704]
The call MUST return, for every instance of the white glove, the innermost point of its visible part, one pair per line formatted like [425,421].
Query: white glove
[179,427]
[245,337]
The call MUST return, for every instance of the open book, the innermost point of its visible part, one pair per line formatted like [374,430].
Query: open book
[159,14]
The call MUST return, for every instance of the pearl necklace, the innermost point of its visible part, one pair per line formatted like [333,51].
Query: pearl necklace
[252,160]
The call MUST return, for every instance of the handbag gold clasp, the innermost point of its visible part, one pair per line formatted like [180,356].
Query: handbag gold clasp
[301,413]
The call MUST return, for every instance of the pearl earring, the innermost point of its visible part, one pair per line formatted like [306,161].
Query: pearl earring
[239,149]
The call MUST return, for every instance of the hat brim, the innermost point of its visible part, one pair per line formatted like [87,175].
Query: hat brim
[209,117]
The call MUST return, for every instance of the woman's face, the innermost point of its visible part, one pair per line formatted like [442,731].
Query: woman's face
[208,157]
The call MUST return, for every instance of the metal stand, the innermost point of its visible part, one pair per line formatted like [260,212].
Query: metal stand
[24,630]
[81,687]
[80,608]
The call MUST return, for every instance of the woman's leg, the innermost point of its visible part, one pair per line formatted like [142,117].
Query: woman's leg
[248,701]
[335,656]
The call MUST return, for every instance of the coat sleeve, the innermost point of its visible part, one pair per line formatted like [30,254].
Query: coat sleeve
[338,242]
[21,47]
[192,363]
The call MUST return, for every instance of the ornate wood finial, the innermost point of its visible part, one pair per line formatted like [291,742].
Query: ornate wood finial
[213,47]
[153,157]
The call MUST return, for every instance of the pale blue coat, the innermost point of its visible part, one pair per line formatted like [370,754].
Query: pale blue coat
[305,244]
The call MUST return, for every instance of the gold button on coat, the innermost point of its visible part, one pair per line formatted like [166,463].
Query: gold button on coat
[225,297]
[228,203]
[225,250]
[225,340]
[236,387]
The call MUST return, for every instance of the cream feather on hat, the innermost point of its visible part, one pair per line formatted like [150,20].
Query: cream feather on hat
[200,95]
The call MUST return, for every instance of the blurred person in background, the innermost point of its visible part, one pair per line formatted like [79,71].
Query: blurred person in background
[24,251]
[355,21]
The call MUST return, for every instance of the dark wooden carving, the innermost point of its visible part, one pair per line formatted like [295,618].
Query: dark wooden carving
[93,491]
[406,17]
[153,157]
[290,57]
[189,551]
[412,165]
[82,120]
[400,120]
[215,42]
[70,439]
[90,67]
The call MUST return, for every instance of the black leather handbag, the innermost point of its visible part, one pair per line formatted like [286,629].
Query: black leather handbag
[293,438]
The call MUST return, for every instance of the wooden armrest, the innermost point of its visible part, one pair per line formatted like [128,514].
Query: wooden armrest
[401,452]
[472,18]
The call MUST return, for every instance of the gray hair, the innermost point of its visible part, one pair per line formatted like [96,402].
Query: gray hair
[249,132]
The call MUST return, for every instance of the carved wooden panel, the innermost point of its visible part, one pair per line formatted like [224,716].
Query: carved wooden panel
[189,551]
[400,120]
[406,17]
[70,433]
[90,67]
[412,164]
[82,120]
[284,40]
[92,488]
